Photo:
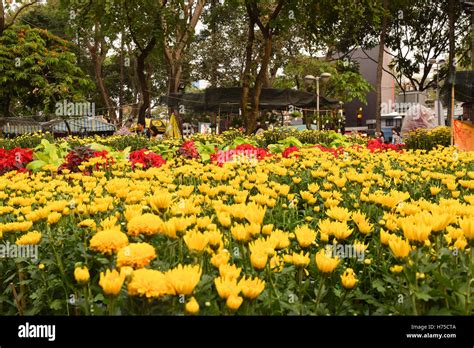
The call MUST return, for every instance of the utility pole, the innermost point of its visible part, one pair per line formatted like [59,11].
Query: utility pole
[121,81]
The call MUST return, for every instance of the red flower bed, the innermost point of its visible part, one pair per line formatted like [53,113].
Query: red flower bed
[289,151]
[146,158]
[247,150]
[335,152]
[376,145]
[188,150]
[15,159]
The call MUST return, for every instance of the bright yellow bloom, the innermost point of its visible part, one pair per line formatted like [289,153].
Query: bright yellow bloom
[305,236]
[325,262]
[160,200]
[435,190]
[280,239]
[234,302]
[259,260]
[396,269]
[340,230]
[362,223]
[255,214]
[229,271]
[89,223]
[348,278]
[108,241]
[417,232]
[149,283]
[240,233]
[251,288]
[226,287]
[132,211]
[147,224]
[111,282]
[196,241]
[31,238]
[338,213]
[384,237]
[467,226]
[136,255]
[400,248]
[53,217]
[81,274]
[460,243]
[299,260]
[221,258]
[276,263]
[192,306]
[184,279]
[224,219]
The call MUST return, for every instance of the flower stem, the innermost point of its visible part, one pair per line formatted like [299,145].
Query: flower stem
[341,303]
[318,298]
[300,285]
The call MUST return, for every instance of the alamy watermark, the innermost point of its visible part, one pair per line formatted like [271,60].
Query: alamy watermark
[8,250]
[238,156]
[390,106]
[68,108]
[345,251]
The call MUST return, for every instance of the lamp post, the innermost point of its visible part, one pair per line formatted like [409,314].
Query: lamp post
[324,76]
[438,108]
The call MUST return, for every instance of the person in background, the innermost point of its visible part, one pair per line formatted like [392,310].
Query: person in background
[141,130]
[153,132]
[379,137]
[260,128]
[396,138]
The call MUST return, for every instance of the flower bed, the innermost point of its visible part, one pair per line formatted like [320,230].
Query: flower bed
[304,230]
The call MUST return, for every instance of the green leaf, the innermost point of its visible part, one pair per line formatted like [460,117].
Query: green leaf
[36,165]
[56,304]
[423,296]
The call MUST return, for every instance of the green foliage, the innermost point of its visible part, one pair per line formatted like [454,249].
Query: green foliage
[283,144]
[428,139]
[205,150]
[47,153]
[38,70]
[345,84]
[25,141]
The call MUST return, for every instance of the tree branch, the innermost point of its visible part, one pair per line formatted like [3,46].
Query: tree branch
[6,26]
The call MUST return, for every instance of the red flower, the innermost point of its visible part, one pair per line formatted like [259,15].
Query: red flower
[250,151]
[289,151]
[15,159]
[189,150]
[147,158]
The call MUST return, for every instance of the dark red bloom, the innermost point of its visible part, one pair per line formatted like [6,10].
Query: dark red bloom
[250,151]
[289,151]
[189,150]
[15,159]
[146,158]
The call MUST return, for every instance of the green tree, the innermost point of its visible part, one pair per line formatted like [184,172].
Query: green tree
[38,70]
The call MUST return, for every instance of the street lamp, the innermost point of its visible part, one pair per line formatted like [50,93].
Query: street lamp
[324,76]
[438,62]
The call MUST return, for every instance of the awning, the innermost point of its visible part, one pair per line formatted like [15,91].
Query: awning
[228,100]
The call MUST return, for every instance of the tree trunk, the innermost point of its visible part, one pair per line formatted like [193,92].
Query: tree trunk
[97,62]
[472,38]
[2,18]
[451,69]
[142,78]
[6,110]
[260,81]
[214,62]
[378,99]
[246,74]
